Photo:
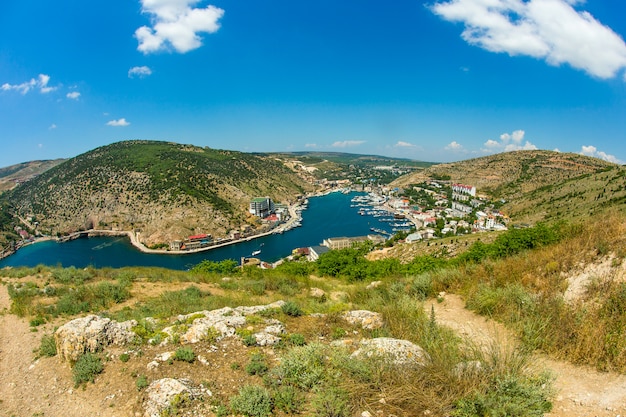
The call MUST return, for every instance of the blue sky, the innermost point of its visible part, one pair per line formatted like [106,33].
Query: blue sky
[437,80]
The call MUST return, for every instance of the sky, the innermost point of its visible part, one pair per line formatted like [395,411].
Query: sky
[436,80]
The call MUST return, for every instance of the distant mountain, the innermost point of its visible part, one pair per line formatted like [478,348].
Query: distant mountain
[16,174]
[537,185]
[166,190]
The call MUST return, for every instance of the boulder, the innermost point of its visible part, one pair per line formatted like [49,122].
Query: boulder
[401,352]
[91,334]
[367,319]
[161,393]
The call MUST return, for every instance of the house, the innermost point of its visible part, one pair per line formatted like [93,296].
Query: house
[316,251]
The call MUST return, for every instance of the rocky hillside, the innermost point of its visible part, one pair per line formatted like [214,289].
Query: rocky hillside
[536,185]
[16,174]
[166,190]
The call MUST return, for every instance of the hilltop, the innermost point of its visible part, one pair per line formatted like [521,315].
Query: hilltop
[16,174]
[164,190]
[536,185]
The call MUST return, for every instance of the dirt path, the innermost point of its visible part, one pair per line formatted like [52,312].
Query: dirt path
[42,387]
[581,391]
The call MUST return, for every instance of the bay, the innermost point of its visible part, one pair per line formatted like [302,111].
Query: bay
[327,216]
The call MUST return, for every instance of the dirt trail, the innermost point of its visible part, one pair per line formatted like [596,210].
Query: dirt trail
[38,387]
[580,391]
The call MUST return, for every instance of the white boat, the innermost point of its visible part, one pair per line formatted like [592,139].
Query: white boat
[256,252]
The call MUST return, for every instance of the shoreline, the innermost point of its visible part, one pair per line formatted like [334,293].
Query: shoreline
[293,211]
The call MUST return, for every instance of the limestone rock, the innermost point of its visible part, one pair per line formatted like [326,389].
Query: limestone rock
[266,339]
[317,293]
[160,393]
[91,334]
[367,319]
[373,284]
[401,352]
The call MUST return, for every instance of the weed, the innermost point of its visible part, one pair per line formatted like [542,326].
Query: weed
[331,402]
[297,339]
[86,368]
[288,399]
[47,346]
[257,365]
[252,401]
[185,354]
[141,382]
[291,309]
[124,357]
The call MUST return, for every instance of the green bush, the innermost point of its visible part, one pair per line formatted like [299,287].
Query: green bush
[331,402]
[291,309]
[86,368]
[141,382]
[302,367]
[124,357]
[288,399]
[252,401]
[297,339]
[47,346]
[37,321]
[257,365]
[185,354]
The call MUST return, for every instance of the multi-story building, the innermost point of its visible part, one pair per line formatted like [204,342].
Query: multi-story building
[261,206]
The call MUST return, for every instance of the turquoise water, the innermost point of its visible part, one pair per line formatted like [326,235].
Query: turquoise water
[327,216]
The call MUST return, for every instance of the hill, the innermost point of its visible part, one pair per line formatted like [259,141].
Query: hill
[536,185]
[165,190]
[16,174]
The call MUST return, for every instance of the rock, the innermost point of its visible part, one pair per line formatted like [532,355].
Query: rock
[373,284]
[401,352]
[223,321]
[160,393]
[91,334]
[266,339]
[276,329]
[317,293]
[366,319]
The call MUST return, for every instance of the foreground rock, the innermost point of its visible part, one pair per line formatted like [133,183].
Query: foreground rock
[401,352]
[366,319]
[91,334]
[163,393]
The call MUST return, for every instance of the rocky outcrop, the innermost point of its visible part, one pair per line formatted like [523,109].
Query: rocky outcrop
[91,334]
[162,393]
[220,323]
[367,319]
[401,352]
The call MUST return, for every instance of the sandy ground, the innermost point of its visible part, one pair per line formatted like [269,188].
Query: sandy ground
[580,391]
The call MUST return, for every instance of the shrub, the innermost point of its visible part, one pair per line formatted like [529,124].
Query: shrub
[331,402]
[257,365]
[37,321]
[124,357]
[249,340]
[302,367]
[252,401]
[297,339]
[141,382]
[291,309]
[47,347]
[185,354]
[86,368]
[288,399]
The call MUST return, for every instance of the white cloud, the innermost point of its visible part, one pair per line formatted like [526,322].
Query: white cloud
[310,145]
[73,95]
[118,122]
[453,146]
[347,143]
[508,142]
[52,126]
[140,72]
[402,144]
[41,83]
[547,29]
[176,24]
[594,152]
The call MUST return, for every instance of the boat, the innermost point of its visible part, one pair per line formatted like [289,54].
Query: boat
[256,252]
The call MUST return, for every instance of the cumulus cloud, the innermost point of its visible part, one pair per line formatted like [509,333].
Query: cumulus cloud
[40,83]
[140,72]
[176,24]
[593,151]
[52,126]
[73,95]
[545,29]
[508,142]
[347,143]
[118,123]
[453,146]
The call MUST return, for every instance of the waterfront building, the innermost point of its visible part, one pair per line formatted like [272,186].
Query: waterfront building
[261,206]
